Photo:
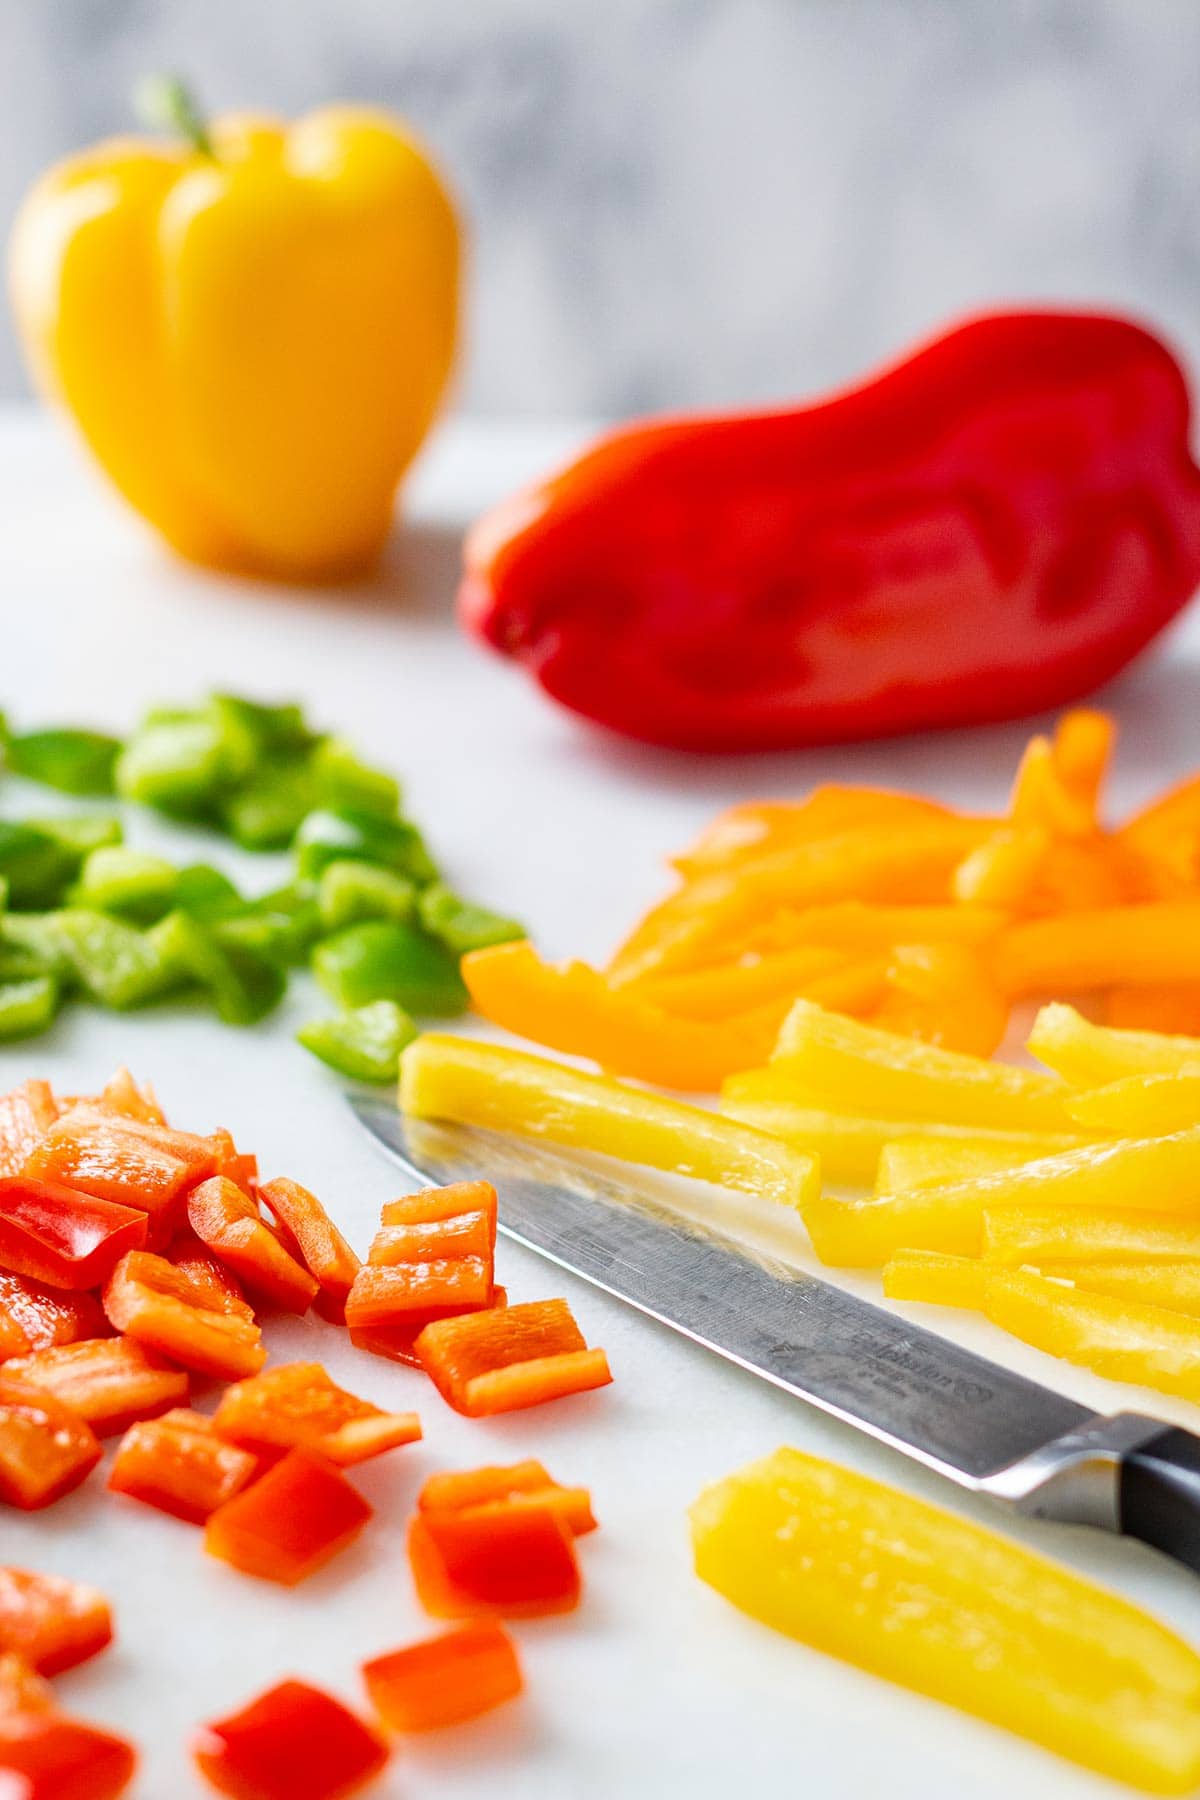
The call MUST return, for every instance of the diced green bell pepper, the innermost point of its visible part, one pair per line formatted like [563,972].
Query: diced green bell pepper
[266,813]
[342,779]
[27,1007]
[76,762]
[350,891]
[207,893]
[117,965]
[186,764]
[81,833]
[382,960]
[271,727]
[459,924]
[132,883]
[245,985]
[350,834]
[34,936]
[365,1043]
[35,864]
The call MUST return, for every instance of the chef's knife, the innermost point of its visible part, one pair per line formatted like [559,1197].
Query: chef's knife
[991,1431]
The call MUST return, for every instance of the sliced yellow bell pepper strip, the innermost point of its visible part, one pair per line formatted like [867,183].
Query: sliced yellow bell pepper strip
[924,1161]
[1175,1286]
[857,1066]
[1090,1055]
[1112,946]
[505,1090]
[948,1609]
[1141,1105]
[935,1278]
[1045,1235]
[1118,1338]
[847,1145]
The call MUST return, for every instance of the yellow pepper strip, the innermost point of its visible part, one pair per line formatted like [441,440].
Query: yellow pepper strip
[1167,1006]
[935,1278]
[1090,1055]
[1003,871]
[1141,1105]
[925,1161]
[1115,1337]
[853,1066]
[573,1009]
[1113,946]
[1047,1235]
[848,1146]
[1082,749]
[771,824]
[505,1090]
[714,993]
[1174,1286]
[942,994]
[945,1608]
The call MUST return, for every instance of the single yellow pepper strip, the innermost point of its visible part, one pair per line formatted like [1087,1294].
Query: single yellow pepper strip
[1141,1105]
[1119,1338]
[848,1146]
[1109,947]
[935,1278]
[1091,1056]
[923,1161]
[505,1090]
[1175,1286]
[1052,1234]
[948,1609]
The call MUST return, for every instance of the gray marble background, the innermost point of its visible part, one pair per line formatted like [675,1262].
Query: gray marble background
[680,202]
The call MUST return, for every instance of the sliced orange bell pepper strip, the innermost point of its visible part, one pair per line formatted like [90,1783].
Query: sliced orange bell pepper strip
[760,825]
[444,1680]
[1003,872]
[320,1245]
[51,1622]
[1119,1338]
[492,1362]
[935,1278]
[521,1484]
[65,1238]
[854,925]
[179,1465]
[46,1449]
[1112,946]
[1167,832]
[511,1561]
[1043,797]
[108,1381]
[942,994]
[292,1743]
[229,1223]
[297,1406]
[26,1115]
[290,1523]
[1082,750]
[32,1316]
[1167,1006]
[149,1299]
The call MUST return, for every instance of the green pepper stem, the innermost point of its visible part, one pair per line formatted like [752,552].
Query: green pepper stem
[166,103]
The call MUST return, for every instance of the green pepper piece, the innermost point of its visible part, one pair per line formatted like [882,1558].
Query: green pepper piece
[245,986]
[382,960]
[3,893]
[460,925]
[132,883]
[77,762]
[35,936]
[348,834]
[207,893]
[266,813]
[350,891]
[118,966]
[283,938]
[35,864]
[185,764]
[365,1043]
[342,779]
[272,727]
[81,833]
[27,1007]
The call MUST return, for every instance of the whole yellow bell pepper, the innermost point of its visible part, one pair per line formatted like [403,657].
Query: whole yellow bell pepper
[253,327]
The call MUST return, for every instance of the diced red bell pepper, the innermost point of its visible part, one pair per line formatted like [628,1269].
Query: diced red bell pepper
[465,1234]
[386,1296]
[433,1204]
[163,1308]
[123,1096]
[319,1244]
[128,1161]
[61,1236]
[109,1381]
[294,1520]
[444,1680]
[218,1283]
[225,1219]
[180,1465]
[22,1689]
[292,1743]
[51,1622]
[44,1755]
[297,1406]
[516,1561]
[233,1165]
[521,1484]
[491,1362]
[397,1339]
[32,1316]
[45,1448]
[26,1115]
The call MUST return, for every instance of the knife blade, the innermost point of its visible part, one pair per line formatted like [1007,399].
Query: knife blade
[988,1429]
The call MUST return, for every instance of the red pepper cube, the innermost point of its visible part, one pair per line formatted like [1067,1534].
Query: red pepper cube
[44,1755]
[464,1234]
[515,1561]
[61,1236]
[123,1096]
[444,1680]
[109,1381]
[50,1622]
[26,1115]
[229,1162]
[294,1520]
[219,1284]
[519,1484]
[320,1245]
[292,1743]
[492,1362]
[434,1204]
[385,1296]
[297,1406]
[160,1306]
[397,1338]
[45,1448]
[129,1161]
[33,1316]
[225,1219]
[179,1465]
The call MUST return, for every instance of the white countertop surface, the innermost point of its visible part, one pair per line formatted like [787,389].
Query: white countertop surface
[655,1688]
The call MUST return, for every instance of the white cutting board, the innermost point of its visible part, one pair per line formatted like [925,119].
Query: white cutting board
[655,1688]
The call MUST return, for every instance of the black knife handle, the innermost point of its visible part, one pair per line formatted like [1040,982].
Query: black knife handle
[1160,1494]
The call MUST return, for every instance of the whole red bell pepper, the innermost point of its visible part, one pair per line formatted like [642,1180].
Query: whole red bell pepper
[995,525]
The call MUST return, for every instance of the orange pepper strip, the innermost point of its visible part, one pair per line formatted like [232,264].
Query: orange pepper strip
[764,825]
[1168,1006]
[150,1300]
[223,1218]
[298,1406]
[1041,796]
[321,1246]
[1003,872]
[26,1115]
[737,986]
[46,1449]
[1082,749]
[942,994]
[50,1622]
[444,1680]
[1167,833]
[179,1465]
[33,1317]
[515,1561]
[292,1743]
[853,925]
[108,1381]
[522,1484]
[290,1523]
[1125,945]
[491,1362]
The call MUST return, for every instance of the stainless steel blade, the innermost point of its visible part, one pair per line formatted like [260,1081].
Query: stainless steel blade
[948,1408]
